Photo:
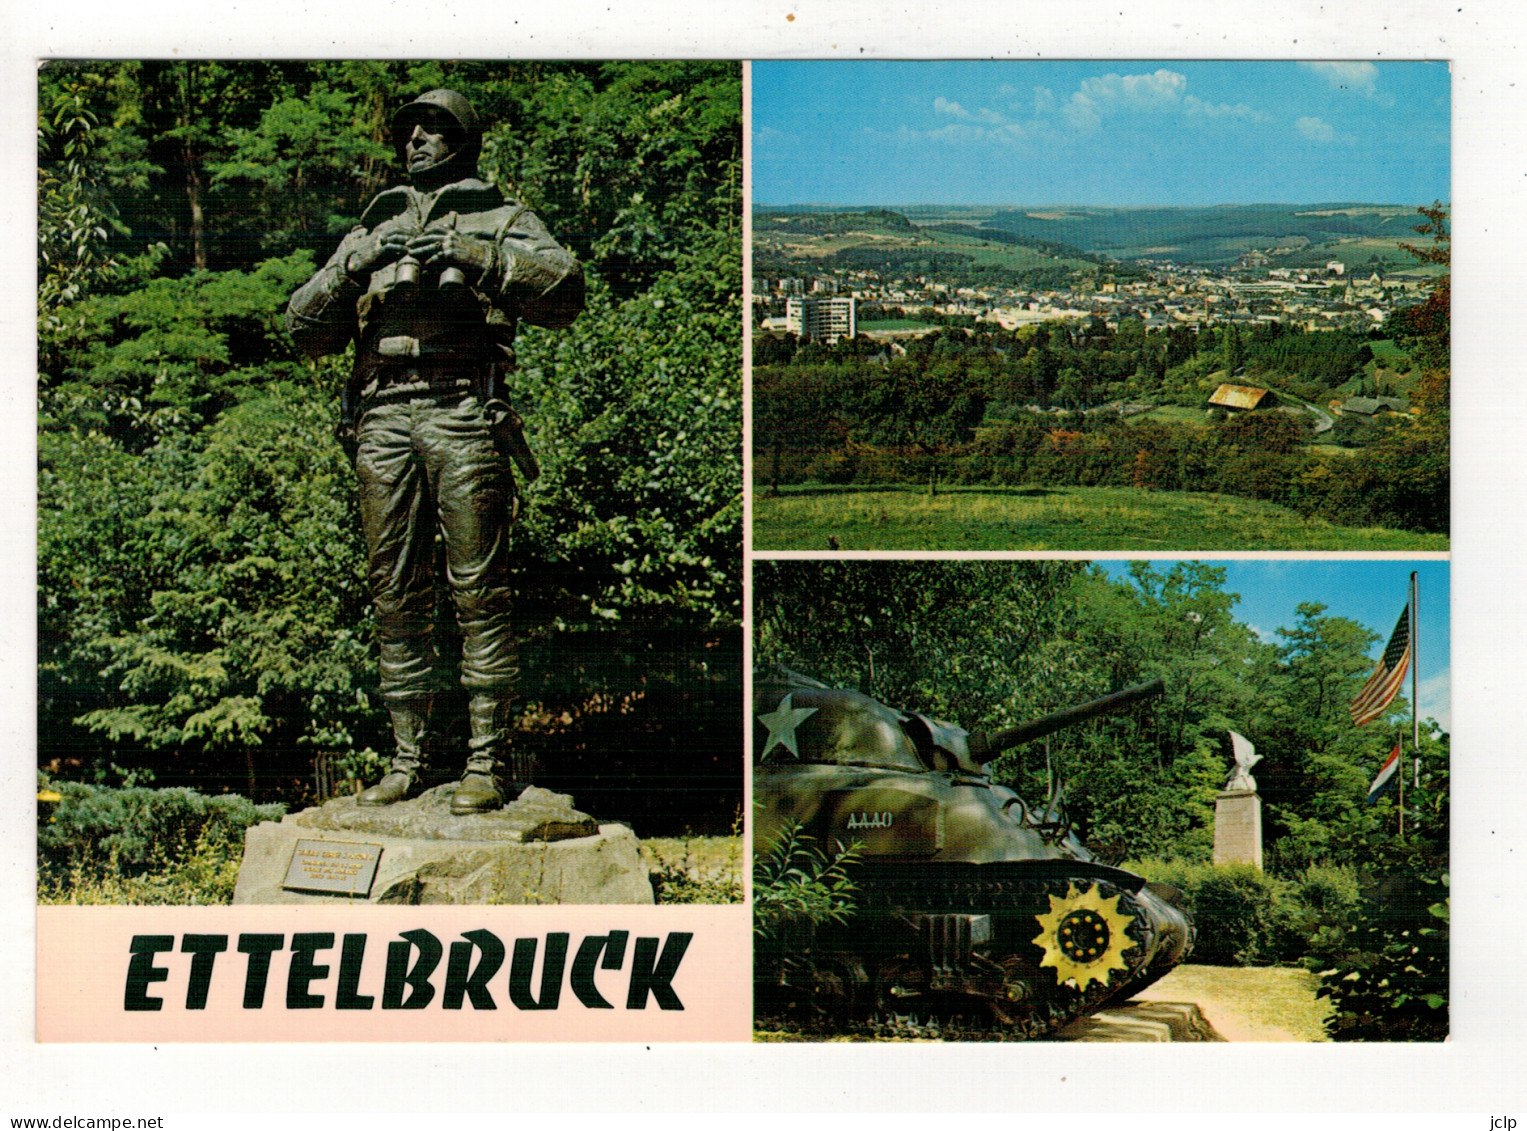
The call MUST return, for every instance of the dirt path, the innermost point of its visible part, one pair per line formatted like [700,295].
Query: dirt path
[1323,421]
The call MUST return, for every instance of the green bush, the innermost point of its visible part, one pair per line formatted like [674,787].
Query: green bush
[138,828]
[202,873]
[1387,974]
[1321,904]
[1235,908]
[836,468]
[1246,917]
[798,886]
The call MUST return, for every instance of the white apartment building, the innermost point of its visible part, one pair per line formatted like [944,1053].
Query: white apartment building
[821,319]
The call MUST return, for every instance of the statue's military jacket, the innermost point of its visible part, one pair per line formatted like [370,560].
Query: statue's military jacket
[533,279]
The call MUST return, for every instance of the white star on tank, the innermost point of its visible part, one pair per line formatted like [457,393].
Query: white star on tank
[782,722]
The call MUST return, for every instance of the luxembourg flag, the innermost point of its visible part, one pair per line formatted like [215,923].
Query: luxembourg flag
[1389,775]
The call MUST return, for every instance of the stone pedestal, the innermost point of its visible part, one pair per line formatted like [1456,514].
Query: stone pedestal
[1238,828]
[538,849]
[1142,1022]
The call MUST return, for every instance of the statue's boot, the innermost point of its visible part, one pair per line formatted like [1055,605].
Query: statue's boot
[410,730]
[490,749]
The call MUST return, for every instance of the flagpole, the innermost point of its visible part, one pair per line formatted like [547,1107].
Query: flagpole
[1414,723]
[1415,675]
[1400,741]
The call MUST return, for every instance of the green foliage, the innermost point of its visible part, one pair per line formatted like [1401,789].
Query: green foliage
[635,413]
[241,620]
[1247,917]
[692,869]
[1388,975]
[138,829]
[973,398]
[168,357]
[205,873]
[798,886]
[891,630]
[73,210]
[635,164]
[1321,903]
[1235,909]
[298,145]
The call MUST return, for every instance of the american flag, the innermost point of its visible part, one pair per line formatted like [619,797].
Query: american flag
[1387,675]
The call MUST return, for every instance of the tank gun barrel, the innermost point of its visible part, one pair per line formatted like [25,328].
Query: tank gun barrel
[984,747]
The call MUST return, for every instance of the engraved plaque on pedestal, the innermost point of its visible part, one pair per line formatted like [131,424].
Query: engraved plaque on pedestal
[334,867]
[1238,828]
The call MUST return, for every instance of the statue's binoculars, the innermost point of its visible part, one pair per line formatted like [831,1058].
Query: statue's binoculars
[410,270]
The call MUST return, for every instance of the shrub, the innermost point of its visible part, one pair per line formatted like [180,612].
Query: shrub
[835,468]
[687,869]
[1235,908]
[1319,906]
[203,873]
[1245,916]
[797,885]
[139,828]
[1387,976]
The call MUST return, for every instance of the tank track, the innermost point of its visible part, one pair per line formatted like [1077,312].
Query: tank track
[874,976]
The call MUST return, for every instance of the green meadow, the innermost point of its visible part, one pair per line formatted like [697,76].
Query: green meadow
[1050,518]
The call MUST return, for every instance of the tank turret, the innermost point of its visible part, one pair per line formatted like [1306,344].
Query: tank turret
[969,904]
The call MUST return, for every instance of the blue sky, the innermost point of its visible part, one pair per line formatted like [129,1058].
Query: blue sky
[1369,592]
[1109,133]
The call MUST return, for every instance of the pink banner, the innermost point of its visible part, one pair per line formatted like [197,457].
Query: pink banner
[494,973]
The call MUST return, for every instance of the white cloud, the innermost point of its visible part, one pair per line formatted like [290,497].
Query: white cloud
[983,126]
[1315,130]
[1436,695]
[969,127]
[1109,94]
[1159,88]
[942,105]
[1192,105]
[1161,91]
[949,108]
[957,133]
[1357,77]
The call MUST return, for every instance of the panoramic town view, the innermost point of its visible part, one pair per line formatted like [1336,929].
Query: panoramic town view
[1149,355]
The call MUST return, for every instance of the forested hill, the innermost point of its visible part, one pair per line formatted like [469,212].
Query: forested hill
[1210,236]
[823,223]
[1207,235]
[204,616]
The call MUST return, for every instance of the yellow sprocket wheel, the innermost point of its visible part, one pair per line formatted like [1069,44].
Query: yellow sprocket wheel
[1084,936]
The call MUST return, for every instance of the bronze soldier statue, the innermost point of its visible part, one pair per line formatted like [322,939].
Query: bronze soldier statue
[431,286]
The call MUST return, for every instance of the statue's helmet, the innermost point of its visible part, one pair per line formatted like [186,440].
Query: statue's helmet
[433,109]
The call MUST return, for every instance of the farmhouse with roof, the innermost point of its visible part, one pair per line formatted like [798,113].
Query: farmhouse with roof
[1238,397]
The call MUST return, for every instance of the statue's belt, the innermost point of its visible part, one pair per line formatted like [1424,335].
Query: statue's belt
[400,347]
[402,359]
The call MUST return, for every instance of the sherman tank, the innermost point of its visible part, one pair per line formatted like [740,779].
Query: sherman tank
[972,912]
